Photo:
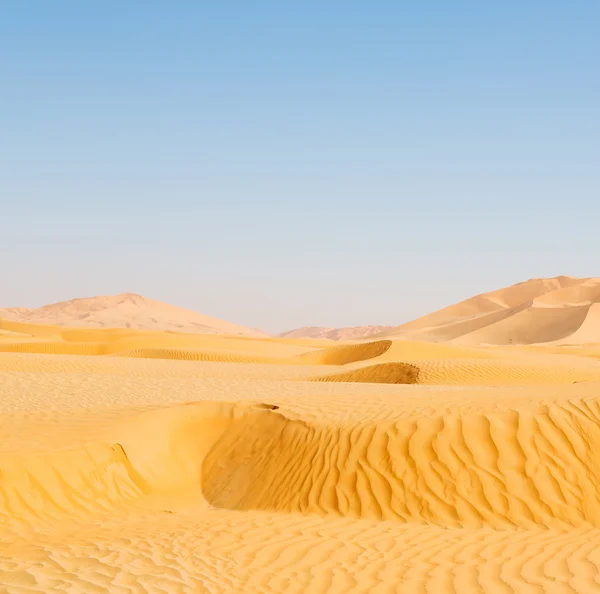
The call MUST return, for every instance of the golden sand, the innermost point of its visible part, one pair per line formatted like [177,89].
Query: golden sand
[140,461]
[562,310]
[541,310]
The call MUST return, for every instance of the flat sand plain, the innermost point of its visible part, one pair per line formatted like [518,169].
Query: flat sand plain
[138,461]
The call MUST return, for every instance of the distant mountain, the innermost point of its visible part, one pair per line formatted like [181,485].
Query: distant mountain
[562,309]
[126,310]
[350,333]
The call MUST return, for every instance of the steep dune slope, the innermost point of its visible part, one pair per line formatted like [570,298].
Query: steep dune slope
[463,470]
[535,311]
[531,325]
[127,310]
[588,330]
[533,464]
[377,466]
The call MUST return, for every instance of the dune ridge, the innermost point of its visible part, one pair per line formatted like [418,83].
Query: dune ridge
[127,310]
[32,338]
[323,332]
[457,471]
[152,461]
[377,361]
[547,310]
[467,469]
[561,310]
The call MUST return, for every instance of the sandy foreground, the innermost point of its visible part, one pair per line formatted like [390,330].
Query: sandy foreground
[136,461]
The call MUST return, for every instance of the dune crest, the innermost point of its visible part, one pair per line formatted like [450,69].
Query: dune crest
[141,460]
[127,310]
[546,310]
[561,310]
[466,469]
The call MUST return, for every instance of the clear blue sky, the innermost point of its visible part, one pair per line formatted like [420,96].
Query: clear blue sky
[279,164]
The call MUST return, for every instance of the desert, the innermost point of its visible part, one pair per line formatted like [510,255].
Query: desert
[299,297]
[456,453]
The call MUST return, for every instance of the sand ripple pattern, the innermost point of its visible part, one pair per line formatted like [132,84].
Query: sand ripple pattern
[363,507]
[467,372]
[151,462]
[296,555]
[464,470]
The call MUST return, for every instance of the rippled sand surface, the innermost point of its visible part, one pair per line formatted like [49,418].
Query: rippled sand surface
[135,461]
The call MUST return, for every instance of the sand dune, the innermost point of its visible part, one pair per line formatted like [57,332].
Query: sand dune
[127,310]
[136,460]
[536,311]
[383,373]
[464,471]
[32,338]
[468,372]
[349,333]
[561,309]
[557,310]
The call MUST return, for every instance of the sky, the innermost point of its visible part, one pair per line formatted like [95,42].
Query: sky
[281,164]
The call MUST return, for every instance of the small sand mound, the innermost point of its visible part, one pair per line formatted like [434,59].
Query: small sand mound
[468,372]
[167,447]
[384,373]
[342,355]
[69,483]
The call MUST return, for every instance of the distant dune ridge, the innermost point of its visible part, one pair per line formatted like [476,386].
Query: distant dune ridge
[201,462]
[563,310]
[126,310]
[193,463]
[349,333]
[560,310]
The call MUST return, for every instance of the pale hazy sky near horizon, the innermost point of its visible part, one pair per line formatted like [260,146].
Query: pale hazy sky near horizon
[281,164]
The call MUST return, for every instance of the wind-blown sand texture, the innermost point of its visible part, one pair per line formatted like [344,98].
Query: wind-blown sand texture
[138,461]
